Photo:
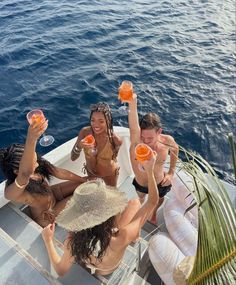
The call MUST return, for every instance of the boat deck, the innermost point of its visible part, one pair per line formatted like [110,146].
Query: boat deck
[24,251]
[24,259]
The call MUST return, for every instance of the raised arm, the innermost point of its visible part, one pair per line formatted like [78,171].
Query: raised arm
[131,231]
[63,263]
[27,163]
[65,174]
[133,121]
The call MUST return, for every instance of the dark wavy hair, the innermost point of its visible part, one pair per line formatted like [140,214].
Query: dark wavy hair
[91,242]
[105,109]
[10,158]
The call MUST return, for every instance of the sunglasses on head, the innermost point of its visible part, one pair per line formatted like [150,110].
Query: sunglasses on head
[100,107]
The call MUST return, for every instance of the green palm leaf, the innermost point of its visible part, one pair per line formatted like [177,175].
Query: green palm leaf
[215,261]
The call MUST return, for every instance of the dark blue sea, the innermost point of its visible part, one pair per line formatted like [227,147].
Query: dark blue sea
[62,56]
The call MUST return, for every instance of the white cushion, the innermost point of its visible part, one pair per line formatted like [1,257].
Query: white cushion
[181,227]
[165,256]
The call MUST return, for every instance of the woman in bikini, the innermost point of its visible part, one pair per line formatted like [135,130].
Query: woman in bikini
[103,163]
[28,175]
[101,224]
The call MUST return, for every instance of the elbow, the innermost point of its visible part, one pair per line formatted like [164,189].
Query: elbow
[176,148]
[73,157]
[61,273]
[61,270]
[11,195]
[6,195]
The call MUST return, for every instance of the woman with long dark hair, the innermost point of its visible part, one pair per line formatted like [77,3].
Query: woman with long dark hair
[28,175]
[103,162]
[101,224]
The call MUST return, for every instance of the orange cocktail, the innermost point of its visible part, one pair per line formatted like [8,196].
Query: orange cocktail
[35,116]
[126,91]
[89,140]
[143,152]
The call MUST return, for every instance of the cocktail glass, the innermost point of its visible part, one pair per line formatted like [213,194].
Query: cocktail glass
[125,95]
[89,141]
[37,115]
[142,153]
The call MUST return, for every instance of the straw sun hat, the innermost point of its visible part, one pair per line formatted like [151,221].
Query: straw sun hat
[92,203]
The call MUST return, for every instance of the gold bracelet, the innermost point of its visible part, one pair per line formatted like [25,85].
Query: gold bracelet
[20,186]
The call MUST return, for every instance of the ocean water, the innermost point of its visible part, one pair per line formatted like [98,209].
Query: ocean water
[62,56]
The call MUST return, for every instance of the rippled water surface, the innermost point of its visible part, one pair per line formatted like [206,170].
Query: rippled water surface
[64,55]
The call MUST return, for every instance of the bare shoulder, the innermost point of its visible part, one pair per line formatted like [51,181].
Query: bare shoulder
[84,131]
[168,140]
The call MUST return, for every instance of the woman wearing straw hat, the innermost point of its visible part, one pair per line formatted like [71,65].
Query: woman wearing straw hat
[101,225]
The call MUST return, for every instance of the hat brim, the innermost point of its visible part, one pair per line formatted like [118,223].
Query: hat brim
[73,219]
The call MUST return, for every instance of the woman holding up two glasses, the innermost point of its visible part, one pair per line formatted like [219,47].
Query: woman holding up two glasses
[28,176]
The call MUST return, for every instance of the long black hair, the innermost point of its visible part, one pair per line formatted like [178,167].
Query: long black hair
[91,242]
[105,109]
[10,158]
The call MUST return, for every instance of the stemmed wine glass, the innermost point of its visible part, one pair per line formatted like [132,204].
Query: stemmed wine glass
[37,115]
[89,141]
[125,95]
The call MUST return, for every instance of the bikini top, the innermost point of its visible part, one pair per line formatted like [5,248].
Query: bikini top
[107,153]
[93,268]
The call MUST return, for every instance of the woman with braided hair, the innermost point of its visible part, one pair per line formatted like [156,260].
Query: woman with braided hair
[103,163]
[28,175]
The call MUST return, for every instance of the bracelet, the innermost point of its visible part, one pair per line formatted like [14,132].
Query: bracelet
[20,186]
[77,150]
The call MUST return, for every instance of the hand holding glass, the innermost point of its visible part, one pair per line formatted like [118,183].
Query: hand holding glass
[37,115]
[142,153]
[125,95]
[89,141]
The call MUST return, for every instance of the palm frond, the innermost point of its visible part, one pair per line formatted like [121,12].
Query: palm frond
[215,261]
